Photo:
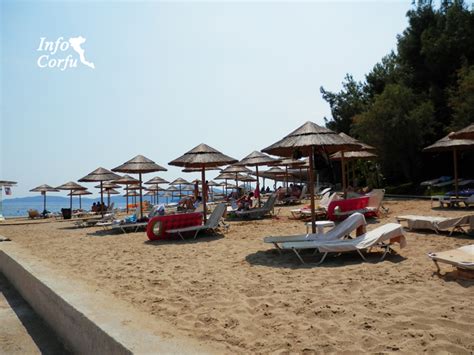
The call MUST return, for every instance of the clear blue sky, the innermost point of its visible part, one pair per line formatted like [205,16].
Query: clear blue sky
[168,76]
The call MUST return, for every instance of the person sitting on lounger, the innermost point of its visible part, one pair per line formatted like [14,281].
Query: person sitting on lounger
[295,191]
[188,203]
[245,202]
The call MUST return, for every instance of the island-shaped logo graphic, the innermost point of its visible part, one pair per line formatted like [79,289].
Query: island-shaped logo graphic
[56,51]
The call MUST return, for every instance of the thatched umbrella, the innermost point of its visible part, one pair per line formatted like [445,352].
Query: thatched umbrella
[353,156]
[465,133]
[107,186]
[179,182]
[156,181]
[227,176]
[71,186]
[236,169]
[202,157]
[111,191]
[306,141]
[126,180]
[139,165]
[44,189]
[287,163]
[449,144]
[80,193]
[154,189]
[100,175]
[172,190]
[257,159]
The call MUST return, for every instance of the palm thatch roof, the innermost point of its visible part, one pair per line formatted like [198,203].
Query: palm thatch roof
[156,180]
[203,156]
[309,135]
[108,185]
[353,155]
[100,174]
[139,164]
[79,193]
[44,188]
[71,185]
[465,133]
[446,143]
[126,180]
[236,169]
[257,158]
[180,181]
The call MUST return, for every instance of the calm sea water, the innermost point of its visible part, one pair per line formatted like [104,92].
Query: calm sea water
[20,209]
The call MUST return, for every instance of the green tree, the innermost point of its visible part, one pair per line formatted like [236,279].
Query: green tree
[461,99]
[347,103]
[397,124]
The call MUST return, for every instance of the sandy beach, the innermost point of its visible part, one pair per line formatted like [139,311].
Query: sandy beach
[236,292]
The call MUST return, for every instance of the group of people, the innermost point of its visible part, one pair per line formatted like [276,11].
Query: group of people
[98,207]
[293,191]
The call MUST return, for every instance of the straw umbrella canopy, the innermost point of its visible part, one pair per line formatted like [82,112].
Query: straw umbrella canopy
[449,144]
[179,182]
[44,189]
[287,163]
[100,175]
[71,186]
[465,133]
[257,159]
[236,169]
[139,165]
[126,180]
[171,189]
[203,156]
[306,140]
[79,193]
[156,180]
[227,176]
[131,193]
[364,152]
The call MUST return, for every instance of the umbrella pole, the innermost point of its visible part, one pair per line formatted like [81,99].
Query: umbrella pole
[141,197]
[70,201]
[258,186]
[44,204]
[343,165]
[126,196]
[108,198]
[311,190]
[286,177]
[203,177]
[456,187]
[80,202]
[226,193]
[101,199]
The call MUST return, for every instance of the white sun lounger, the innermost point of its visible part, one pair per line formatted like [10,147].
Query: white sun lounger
[462,258]
[438,224]
[392,232]
[213,223]
[340,231]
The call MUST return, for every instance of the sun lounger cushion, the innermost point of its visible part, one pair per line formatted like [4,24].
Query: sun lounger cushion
[437,223]
[462,257]
[392,232]
[340,231]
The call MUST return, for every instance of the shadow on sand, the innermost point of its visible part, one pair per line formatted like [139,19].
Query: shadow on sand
[287,259]
[201,238]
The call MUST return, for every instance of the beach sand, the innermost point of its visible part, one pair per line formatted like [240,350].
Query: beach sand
[235,291]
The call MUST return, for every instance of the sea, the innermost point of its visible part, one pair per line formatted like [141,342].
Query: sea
[19,207]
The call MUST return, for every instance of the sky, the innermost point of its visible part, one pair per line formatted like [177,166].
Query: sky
[168,76]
